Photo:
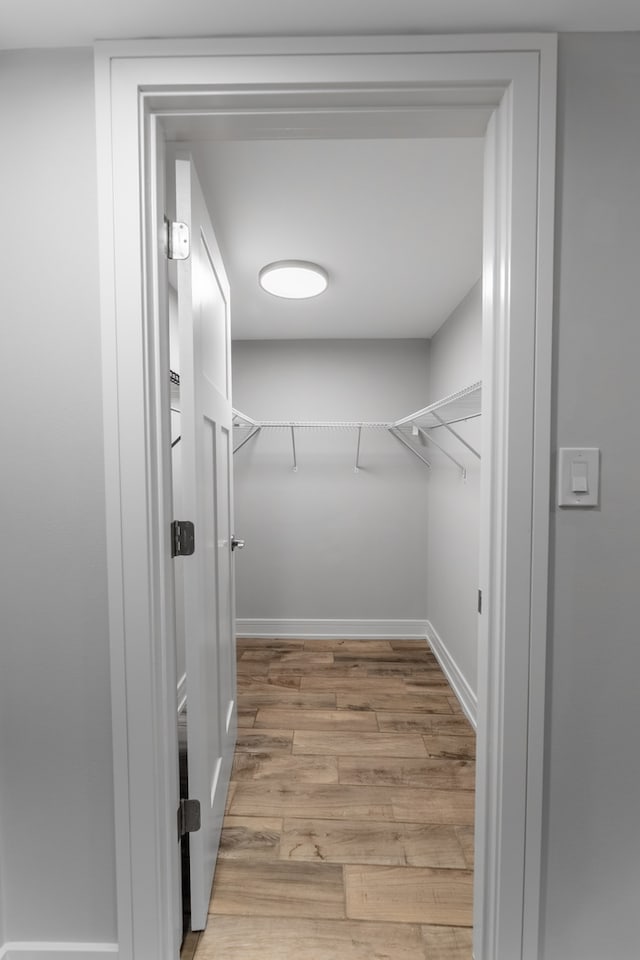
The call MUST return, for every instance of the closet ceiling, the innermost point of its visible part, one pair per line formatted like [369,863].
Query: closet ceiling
[77,22]
[397,223]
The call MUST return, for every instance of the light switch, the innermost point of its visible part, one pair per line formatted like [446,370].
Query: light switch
[578,476]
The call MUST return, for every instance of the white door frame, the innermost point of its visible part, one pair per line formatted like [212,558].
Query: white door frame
[135,82]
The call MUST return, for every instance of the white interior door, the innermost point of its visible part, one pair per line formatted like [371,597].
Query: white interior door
[207,457]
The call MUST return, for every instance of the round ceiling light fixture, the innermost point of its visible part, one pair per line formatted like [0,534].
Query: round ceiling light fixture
[293,279]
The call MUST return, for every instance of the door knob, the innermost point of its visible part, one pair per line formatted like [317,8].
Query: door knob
[236,544]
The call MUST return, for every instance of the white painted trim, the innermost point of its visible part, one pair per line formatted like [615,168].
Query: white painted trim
[459,683]
[132,80]
[45,950]
[531,937]
[182,692]
[321,629]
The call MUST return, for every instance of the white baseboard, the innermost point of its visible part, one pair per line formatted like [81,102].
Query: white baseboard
[467,698]
[329,629]
[182,692]
[45,950]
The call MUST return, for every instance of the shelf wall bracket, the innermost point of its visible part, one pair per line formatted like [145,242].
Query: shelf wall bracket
[396,433]
[253,433]
[443,423]
[357,466]
[427,436]
[293,445]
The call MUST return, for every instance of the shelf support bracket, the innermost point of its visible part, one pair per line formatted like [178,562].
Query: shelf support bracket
[246,439]
[357,466]
[293,445]
[427,436]
[443,423]
[396,433]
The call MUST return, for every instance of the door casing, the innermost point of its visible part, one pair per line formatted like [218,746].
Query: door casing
[139,82]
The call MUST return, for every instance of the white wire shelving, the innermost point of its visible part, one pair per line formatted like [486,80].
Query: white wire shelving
[457,408]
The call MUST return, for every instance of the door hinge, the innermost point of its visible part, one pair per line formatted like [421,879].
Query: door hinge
[178,245]
[188,817]
[183,537]
[479,601]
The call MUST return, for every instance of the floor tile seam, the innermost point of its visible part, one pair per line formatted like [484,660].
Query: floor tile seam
[394,819]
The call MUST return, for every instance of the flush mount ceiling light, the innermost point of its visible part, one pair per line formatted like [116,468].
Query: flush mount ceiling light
[293,279]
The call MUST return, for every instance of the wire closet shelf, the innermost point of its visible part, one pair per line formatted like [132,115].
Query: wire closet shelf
[457,408]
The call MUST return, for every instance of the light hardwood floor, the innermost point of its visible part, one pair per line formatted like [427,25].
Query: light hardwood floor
[349,826]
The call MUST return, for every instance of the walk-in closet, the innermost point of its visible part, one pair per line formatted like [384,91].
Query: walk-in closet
[355,448]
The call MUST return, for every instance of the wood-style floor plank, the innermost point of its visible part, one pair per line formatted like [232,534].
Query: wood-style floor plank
[410,894]
[246,716]
[280,671]
[355,721]
[261,643]
[410,645]
[264,741]
[302,658]
[271,696]
[350,647]
[448,943]
[285,768]
[321,801]
[271,653]
[421,702]
[467,842]
[337,743]
[283,938]
[250,838]
[438,774]
[447,724]
[338,683]
[249,681]
[277,889]
[432,806]
[371,842]
[456,748]
[417,657]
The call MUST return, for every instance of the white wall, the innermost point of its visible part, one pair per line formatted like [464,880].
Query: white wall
[56,791]
[593,799]
[56,831]
[454,503]
[325,542]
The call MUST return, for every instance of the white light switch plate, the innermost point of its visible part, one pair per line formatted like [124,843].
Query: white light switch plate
[578,468]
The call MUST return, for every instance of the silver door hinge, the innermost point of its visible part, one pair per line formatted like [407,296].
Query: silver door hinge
[183,538]
[178,244]
[188,817]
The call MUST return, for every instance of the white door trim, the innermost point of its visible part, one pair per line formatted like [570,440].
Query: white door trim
[134,82]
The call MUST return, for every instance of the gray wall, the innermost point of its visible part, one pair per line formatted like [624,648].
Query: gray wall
[593,798]
[325,542]
[56,791]
[56,831]
[454,503]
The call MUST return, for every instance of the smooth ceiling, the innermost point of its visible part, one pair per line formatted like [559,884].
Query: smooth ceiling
[397,223]
[79,22]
